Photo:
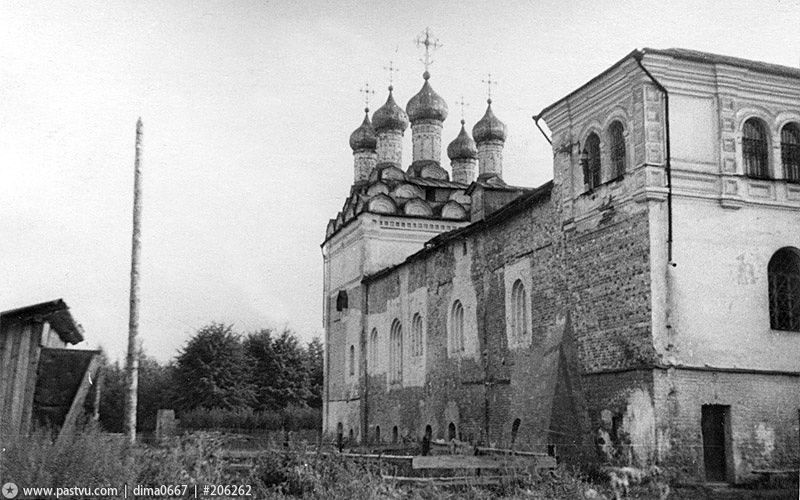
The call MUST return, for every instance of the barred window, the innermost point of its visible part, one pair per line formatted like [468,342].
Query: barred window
[373,348]
[417,341]
[754,149]
[396,352]
[617,140]
[519,311]
[784,290]
[457,327]
[790,152]
[590,161]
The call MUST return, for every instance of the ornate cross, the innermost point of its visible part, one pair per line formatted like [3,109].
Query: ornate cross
[489,82]
[392,70]
[368,93]
[430,42]
[463,104]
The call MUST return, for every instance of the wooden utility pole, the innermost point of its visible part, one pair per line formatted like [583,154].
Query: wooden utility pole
[132,365]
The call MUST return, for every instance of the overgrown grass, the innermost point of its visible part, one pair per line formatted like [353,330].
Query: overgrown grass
[292,418]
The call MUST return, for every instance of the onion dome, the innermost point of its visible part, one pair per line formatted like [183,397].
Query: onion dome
[390,116]
[489,128]
[364,136]
[462,147]
[427,104]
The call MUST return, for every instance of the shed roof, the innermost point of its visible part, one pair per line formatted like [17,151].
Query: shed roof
[56,312]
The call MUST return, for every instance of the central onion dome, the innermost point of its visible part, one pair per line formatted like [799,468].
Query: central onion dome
[364,136]
[427,104]
[462,147]
[390,116]
[489,128]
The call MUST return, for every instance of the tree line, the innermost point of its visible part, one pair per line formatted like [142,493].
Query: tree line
[221,372]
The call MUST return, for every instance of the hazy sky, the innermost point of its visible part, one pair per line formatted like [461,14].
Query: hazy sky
[247,109]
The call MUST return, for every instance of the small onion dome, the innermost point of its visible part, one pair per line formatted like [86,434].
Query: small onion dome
[489,128]
[427,104]
[390,116]
[364,136]
[462,147]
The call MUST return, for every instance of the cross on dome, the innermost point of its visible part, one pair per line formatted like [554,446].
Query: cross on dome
[489,82]
[392,70]
[430,43]
[368,93]
[462,103]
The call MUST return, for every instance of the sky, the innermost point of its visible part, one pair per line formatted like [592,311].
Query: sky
[247,109]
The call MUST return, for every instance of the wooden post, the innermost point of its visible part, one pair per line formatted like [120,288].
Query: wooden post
[132,365]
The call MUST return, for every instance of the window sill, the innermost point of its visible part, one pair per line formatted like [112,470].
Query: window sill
[591,191]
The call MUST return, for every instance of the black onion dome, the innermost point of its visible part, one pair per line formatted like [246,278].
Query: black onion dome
[462,147]
[390,116]
[427,104]
[364,136]
[489,128]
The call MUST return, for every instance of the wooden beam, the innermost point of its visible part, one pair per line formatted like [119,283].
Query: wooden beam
[38,333]
[77,402]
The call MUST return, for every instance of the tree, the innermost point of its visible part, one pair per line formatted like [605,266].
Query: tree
[278,369]
[314,360]
[154,392]
[212,371]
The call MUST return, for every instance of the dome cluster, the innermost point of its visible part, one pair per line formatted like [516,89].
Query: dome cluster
[462,147]
[390,116]
[364,137]
[427,104]
[489,128]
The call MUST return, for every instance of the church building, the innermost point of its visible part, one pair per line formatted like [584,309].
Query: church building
[642,307]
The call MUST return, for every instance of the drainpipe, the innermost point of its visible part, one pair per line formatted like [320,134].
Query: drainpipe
[637,55]
[365,360]
[536,121]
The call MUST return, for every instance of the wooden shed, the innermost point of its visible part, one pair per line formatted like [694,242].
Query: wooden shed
[40,379]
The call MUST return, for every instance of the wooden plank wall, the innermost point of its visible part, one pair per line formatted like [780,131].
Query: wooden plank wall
[20,344]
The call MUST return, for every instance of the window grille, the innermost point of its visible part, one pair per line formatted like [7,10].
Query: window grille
[790,152]
[617,137]
[784,290]
[591,162]
[457,327]
[754,150]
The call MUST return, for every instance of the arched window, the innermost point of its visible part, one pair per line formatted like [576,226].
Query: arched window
[416,335]
[616,136]
[352,360]
[341,300]
[373,348]
[377,433]
[590,161]
[396,352]
[457,327]
[784,290]
[790,152]
[451,431]
[395,434]
[754,149]
[519,311]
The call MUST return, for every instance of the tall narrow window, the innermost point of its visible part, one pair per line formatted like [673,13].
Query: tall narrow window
[519,311]
[457,327]
[417,341]
[373,349]
[790,152]
[352,360]
[590,160]
[754,149]
[784,290]
[341,300]
[616,135]
[396,352]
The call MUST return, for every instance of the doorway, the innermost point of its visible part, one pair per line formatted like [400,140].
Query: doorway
[715,423]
